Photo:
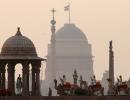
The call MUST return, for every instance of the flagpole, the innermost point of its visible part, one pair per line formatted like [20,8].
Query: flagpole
[69,13]
[67,8]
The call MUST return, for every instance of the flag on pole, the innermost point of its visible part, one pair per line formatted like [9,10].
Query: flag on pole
[67,8]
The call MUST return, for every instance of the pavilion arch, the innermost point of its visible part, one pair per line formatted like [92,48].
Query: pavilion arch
[18,71]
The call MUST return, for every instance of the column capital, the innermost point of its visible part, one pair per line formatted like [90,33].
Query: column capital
[2,66]
[36,63]
[25,66]
[11,67]
[37,70]
[25,69]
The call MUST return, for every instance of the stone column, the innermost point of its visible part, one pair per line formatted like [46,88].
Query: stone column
[36,78]
[3,78]
[2,75]
[27,77]
[38,81]
[111,68]
[11,77]
[33,82]
[25,91]
[0,78]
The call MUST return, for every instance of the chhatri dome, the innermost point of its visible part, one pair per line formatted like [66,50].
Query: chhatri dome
[70,31]
[18,45]
[19,49]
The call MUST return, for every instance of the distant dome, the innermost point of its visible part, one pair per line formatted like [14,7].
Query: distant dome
[18,45]
[70,31]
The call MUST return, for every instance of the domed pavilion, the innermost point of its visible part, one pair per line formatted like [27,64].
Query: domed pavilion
[20,49]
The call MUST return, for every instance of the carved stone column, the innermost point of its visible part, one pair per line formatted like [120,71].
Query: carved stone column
[28,79]
[25,91]
[36,78]
[0,77]
[11,77]
[37,81]
[3,77]
[33,81]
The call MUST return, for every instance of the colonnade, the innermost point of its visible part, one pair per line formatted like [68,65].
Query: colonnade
[25,76]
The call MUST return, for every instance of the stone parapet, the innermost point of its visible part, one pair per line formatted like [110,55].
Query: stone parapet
[65,98]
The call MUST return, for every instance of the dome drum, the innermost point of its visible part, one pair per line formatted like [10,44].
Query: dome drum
[18,51]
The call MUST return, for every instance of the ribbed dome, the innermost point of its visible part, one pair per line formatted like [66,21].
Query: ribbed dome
[70,31]
[18,45]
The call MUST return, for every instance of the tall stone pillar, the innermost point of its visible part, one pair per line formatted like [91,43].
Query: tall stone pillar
[111,69]
[25,91]
[11,77]
[111,63]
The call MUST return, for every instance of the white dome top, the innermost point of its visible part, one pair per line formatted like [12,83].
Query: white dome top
[70,31]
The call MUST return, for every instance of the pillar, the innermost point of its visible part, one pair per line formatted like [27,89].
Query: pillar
[2,75]
[11,77]
[25,91]
[3,78]
[33,82]
[36,78]
[38,81]
[111,63]
[0,78]
[111,69]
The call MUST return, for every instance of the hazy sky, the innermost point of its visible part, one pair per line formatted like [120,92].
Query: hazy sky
[101,20]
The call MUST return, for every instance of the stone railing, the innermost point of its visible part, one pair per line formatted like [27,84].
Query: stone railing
[65,98]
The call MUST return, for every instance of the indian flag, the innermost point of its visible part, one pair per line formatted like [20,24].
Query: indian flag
[67,8]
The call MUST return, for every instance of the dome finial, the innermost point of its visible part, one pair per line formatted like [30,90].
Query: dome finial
[53,22]
[18,28]
[53,12]
[18,32]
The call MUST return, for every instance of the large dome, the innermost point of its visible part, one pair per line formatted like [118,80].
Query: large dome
[18,45]
[70,31]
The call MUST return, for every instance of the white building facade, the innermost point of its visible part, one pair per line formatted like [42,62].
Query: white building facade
[69,50]
[72,51]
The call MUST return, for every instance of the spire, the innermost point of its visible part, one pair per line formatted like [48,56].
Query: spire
[75,76]
[111,62]
[53,12]
[111,45]
[18,32]
[53,22]
[111,68]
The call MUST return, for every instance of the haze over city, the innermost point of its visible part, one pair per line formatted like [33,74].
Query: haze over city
[101,20]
